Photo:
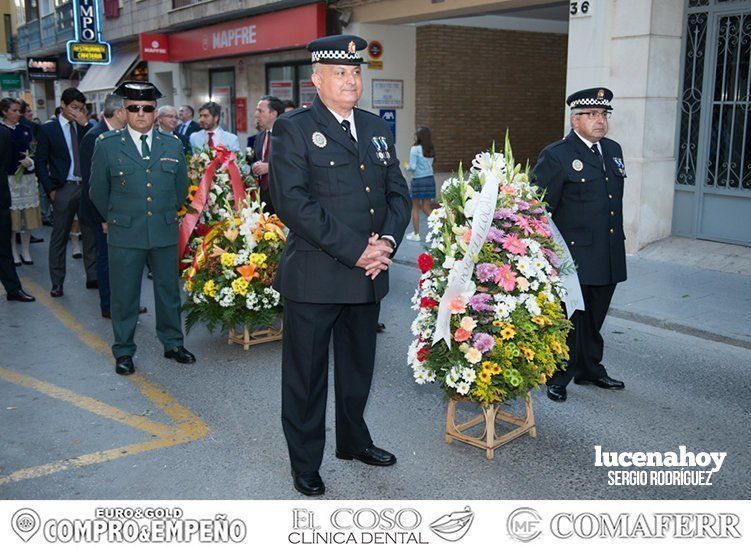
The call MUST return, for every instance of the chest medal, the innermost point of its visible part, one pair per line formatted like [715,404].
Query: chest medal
[577,165]
[620,165]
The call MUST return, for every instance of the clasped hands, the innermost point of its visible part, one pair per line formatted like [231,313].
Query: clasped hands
[375,258]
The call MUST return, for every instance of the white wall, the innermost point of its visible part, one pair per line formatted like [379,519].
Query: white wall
[633,47]
[399,59]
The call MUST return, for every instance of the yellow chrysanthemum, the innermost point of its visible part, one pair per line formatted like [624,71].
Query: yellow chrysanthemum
[188,285]
[496,369]
[270,236]
[508,331]
[556,345]
[240,286]
[539,320]
[257,259]
[487,365]
[485,376]
[529,354]
[210,288]
[497,323]
[228,259]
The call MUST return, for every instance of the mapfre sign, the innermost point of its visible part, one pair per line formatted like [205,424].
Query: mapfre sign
[281,30]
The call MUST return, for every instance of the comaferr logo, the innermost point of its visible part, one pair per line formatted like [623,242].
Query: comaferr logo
[641,525]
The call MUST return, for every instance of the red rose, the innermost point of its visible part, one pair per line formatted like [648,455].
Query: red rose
[423,353]
[425,262]
[428,302]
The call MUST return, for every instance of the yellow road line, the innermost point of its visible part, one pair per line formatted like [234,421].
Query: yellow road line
[87,403]
[188,427]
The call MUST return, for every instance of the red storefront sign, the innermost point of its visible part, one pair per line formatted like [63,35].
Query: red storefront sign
[241,114]
[285,29]
[154,47]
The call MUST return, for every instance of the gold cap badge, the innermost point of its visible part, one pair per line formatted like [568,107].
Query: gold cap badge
[601,94]
[351,48]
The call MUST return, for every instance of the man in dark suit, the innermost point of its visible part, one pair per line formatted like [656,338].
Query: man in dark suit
[8,275]
[187,125]
[58,166]
[583,177]
[268,110]
[167,121]
[337,185]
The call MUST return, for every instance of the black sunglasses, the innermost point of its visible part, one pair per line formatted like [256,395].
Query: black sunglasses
[144,108]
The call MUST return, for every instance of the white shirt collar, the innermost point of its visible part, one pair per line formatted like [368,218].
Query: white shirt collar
[136,137]
[351,119]
[588,142]
[13,127]
[64,121]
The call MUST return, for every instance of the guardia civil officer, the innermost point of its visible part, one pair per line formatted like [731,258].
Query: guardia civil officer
[138,182]
[583,177]
[339,188]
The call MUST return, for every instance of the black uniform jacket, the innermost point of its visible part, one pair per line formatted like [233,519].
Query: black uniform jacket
[333,194]
[586,202]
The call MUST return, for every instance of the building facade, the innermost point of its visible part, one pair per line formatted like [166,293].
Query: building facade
[468,69]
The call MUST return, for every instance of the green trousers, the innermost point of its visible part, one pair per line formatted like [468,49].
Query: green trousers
[126,272]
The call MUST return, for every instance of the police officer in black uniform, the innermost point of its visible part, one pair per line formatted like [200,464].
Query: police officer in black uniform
[339,189]
[583,176]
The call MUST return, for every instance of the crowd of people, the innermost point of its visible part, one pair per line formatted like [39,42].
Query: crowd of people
[47,169]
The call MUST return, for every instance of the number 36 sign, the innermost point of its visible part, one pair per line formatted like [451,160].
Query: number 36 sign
[580,9]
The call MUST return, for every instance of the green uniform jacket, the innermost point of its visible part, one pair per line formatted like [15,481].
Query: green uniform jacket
[139,197]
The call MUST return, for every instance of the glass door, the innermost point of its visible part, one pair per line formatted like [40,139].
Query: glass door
[222,92]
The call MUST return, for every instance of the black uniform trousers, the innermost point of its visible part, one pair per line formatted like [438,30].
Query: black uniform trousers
[305,357]
[8,275]
[585,343]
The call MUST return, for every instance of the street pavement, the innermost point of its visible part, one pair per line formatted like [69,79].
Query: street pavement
[679,336]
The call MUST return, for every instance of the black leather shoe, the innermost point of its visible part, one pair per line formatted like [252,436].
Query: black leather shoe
[142,310]
[26,261]
[124,366]
[57,290]
[604,382]
[181,355]
[371,455]
[35,240]
[557,393]
[21,296]
[308,484]
[380,328]
[92,284]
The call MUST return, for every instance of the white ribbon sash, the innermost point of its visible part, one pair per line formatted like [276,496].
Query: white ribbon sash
[573,299]
[460,276]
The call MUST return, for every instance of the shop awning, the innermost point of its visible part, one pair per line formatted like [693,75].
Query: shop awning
[106,77]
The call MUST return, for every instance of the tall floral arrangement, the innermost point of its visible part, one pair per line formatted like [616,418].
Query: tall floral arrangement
[229,279]
[490,322]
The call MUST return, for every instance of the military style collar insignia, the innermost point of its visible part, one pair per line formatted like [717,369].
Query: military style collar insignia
[577,165]
[620,165]
[382,148]
[319,140]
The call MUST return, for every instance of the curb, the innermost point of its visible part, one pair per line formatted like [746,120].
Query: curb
[652,321]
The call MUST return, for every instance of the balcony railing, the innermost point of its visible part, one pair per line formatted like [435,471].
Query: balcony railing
[51,30]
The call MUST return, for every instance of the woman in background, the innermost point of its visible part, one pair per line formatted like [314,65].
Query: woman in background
[24,192]
[422,190]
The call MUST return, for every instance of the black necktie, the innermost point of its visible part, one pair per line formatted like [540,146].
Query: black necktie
[145,152]
[595,150]
[348,130]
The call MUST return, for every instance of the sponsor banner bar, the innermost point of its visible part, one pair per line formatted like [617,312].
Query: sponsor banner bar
[304,522]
